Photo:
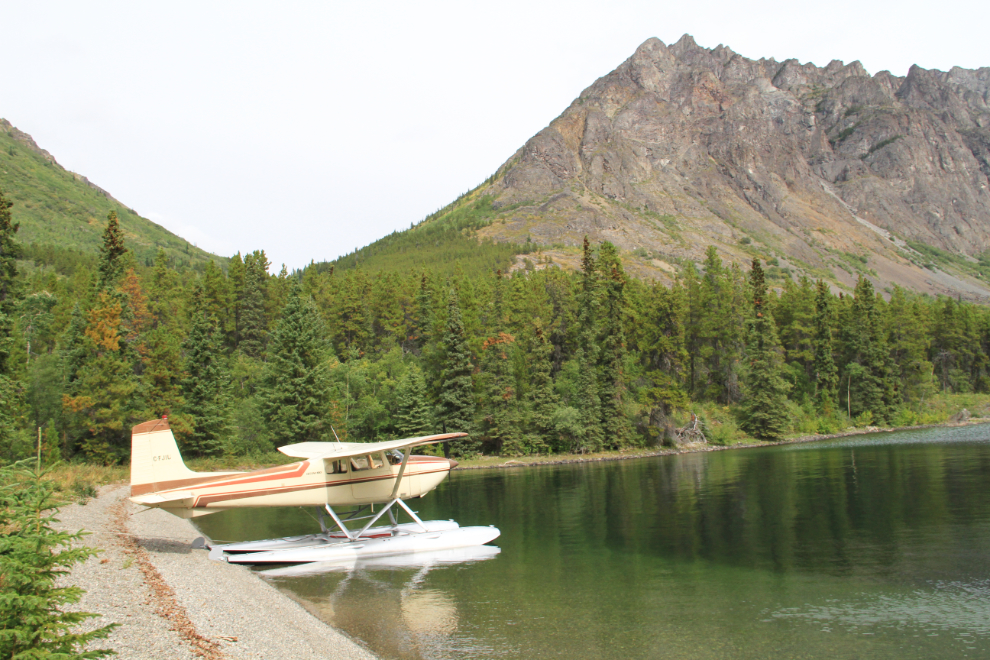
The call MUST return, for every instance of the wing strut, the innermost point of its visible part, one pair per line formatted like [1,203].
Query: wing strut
[402,469]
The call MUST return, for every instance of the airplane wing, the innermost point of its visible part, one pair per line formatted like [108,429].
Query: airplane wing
[335,450]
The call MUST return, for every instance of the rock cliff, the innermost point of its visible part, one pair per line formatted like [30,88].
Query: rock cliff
[829,170]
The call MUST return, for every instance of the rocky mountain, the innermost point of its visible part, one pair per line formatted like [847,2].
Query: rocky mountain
[64,210]
[828,171]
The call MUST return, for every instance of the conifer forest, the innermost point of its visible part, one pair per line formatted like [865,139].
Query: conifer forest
[539,361]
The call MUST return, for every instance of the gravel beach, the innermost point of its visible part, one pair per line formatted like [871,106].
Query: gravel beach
[173,602]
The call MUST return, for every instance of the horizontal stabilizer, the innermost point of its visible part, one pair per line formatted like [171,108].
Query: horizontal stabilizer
[156,499]
[335,450]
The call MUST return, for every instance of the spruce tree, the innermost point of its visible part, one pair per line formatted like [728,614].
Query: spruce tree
[764,410]
[216,295]
[235,279]
[35,558]
[499,423]
[869,385]
[206,388]
[10,250]
[413,413]
[455,406]
[660,344]
[589,397]
[253,324]
[295,389]
[10,390]
[103,400]
[826,373]
[421,328]
[112,251]
[910,342]
[615,424]
[543,401]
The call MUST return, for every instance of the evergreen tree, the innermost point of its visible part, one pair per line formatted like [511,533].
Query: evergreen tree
[910,339]
[236,282]
[34,559]
[253,324]
[826,373]
[103,400]
[764,410]
[543,401]
[206,387]
[295,390]
[455,407]
[161,346]
[615,424]
[413,414]
[216,295]
[660,342]
[794,312]
[869,386]
[589,397]
[422,325]
[499,423]
[10,250]
[715,325]
[112,251]
[10,390]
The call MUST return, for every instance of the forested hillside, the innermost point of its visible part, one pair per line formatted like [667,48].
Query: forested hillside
[62,213]
[541,361]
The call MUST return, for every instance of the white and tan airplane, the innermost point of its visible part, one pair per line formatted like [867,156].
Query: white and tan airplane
[332,475]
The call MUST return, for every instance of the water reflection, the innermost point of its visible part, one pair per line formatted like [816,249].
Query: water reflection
[423,561]
[866,547]
[394,609]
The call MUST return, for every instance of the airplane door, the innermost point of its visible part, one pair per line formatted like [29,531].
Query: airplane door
[371,478]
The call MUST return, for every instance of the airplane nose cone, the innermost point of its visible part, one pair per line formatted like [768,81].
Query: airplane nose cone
[452,462]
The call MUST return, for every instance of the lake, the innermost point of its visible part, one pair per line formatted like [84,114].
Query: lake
[873,546]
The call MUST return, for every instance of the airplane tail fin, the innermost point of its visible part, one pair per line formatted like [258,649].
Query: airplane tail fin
[155,460]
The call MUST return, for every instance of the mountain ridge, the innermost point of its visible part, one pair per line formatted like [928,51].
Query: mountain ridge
[58,207]
[824,171]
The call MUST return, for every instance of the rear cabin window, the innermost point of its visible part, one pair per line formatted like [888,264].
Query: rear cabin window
[336,467]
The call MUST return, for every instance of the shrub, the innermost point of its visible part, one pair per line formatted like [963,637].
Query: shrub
[33,555]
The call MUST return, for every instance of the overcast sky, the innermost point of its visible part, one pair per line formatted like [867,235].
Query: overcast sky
[309,129]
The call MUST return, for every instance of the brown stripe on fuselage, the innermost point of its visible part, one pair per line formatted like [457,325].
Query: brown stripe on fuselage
[221,479]
[156,486]
[204,500]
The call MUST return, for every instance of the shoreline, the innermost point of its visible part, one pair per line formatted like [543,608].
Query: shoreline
[171,601]
[696,448]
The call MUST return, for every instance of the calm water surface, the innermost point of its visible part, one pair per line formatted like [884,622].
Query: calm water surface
[871,547]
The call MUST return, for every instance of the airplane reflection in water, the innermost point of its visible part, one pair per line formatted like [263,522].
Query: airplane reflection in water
[410,621]
[424,561]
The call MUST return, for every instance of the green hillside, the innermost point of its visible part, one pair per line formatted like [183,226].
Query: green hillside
[445,240]
[61,210]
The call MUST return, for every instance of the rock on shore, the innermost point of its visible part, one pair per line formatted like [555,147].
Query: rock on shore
[173,602]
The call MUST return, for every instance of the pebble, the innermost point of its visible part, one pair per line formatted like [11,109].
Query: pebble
[216,610]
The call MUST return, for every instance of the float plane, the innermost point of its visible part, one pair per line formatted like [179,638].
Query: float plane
[333,476]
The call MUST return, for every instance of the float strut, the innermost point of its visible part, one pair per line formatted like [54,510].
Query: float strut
[344,529]
[413,515]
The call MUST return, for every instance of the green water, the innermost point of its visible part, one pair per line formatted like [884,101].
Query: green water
[872,547]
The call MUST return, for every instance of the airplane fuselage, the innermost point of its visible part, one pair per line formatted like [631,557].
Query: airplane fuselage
[353,481]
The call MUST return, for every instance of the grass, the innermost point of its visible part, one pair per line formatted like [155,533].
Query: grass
[80,481]
[59,208]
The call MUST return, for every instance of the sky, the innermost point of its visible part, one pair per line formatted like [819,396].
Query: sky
[308,129]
